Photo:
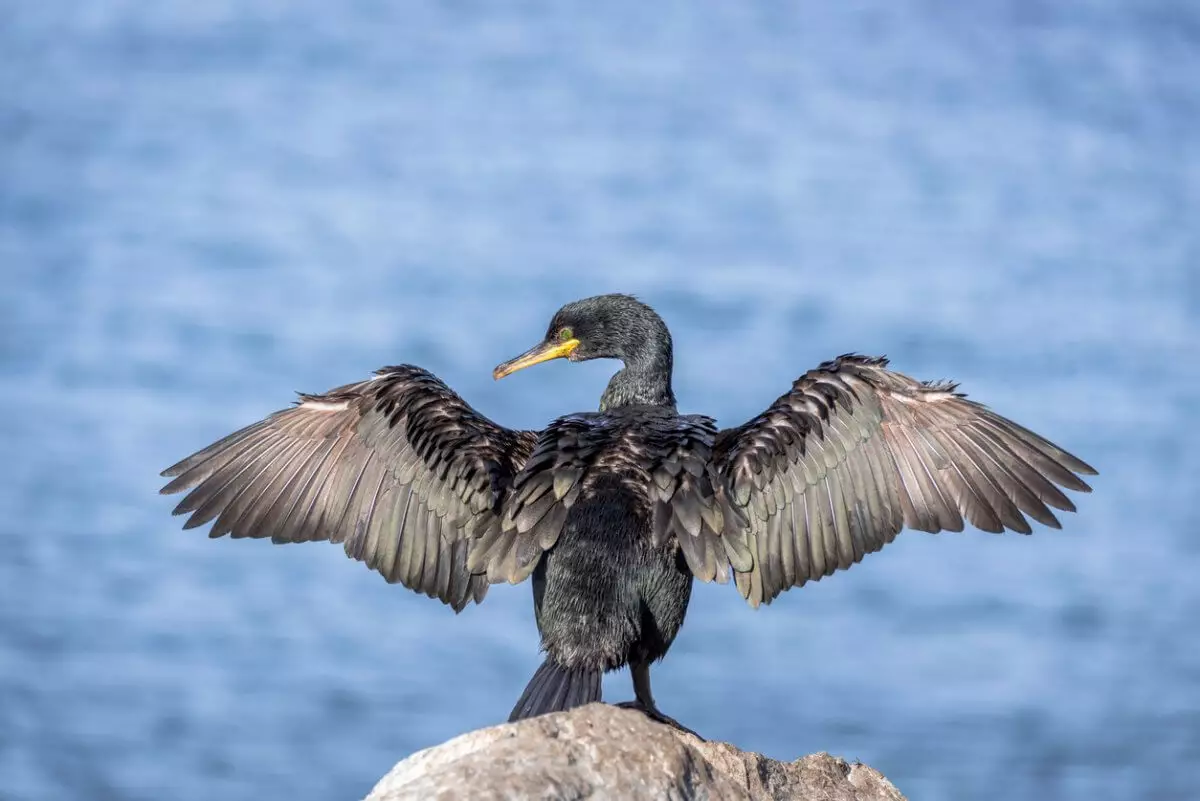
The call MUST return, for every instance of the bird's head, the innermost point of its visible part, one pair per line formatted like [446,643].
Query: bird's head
[601,327]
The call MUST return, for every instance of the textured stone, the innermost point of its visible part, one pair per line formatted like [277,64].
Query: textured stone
[600,751]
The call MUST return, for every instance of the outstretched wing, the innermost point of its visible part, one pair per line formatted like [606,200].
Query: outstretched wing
[855,452]
[398,468]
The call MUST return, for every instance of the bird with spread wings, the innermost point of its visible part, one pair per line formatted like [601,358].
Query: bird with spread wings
[614,512]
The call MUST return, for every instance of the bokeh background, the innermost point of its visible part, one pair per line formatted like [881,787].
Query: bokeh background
[206,206]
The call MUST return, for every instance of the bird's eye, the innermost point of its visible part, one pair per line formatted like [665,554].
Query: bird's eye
[565,334]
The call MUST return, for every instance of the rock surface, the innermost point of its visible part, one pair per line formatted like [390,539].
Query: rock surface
[599,751]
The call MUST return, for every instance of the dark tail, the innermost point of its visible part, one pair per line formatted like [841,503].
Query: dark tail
[555,688]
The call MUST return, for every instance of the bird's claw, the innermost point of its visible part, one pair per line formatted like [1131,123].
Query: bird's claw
[657,716]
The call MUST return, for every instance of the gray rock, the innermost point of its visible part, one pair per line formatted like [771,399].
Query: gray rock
[600,751]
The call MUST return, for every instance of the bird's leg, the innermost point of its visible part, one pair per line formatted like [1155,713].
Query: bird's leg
[645,701]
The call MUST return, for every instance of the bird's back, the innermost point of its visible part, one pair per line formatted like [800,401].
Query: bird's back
[637,452]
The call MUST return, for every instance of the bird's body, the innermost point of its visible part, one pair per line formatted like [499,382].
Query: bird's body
[614,513]
[607,594]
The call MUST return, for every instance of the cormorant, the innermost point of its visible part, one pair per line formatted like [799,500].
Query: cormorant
[613,513]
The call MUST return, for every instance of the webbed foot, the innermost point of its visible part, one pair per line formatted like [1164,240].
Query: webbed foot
[654,714]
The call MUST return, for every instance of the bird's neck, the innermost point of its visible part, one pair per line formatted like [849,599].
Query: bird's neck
[643,381]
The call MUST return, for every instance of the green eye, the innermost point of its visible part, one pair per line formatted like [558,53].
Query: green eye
[565,334]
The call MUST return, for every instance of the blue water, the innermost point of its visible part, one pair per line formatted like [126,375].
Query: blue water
[206,206]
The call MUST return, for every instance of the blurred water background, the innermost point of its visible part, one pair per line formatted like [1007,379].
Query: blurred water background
[206,206]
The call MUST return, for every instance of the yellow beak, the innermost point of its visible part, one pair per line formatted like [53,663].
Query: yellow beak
[542,352]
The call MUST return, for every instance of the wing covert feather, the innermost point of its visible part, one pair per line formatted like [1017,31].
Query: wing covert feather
[644,460]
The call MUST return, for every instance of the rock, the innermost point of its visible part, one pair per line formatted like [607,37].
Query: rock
[600,751]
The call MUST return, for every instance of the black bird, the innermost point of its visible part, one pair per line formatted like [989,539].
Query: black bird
[613,513]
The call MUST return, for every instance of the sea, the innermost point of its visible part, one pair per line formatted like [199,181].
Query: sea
[205,207]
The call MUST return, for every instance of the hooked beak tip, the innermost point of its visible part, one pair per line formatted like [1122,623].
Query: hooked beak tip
[536,355]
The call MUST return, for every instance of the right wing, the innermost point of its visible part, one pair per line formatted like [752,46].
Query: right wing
[836,467]
[398,468]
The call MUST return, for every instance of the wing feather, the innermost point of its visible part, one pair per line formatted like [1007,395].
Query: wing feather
[398,468]
[856,452]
